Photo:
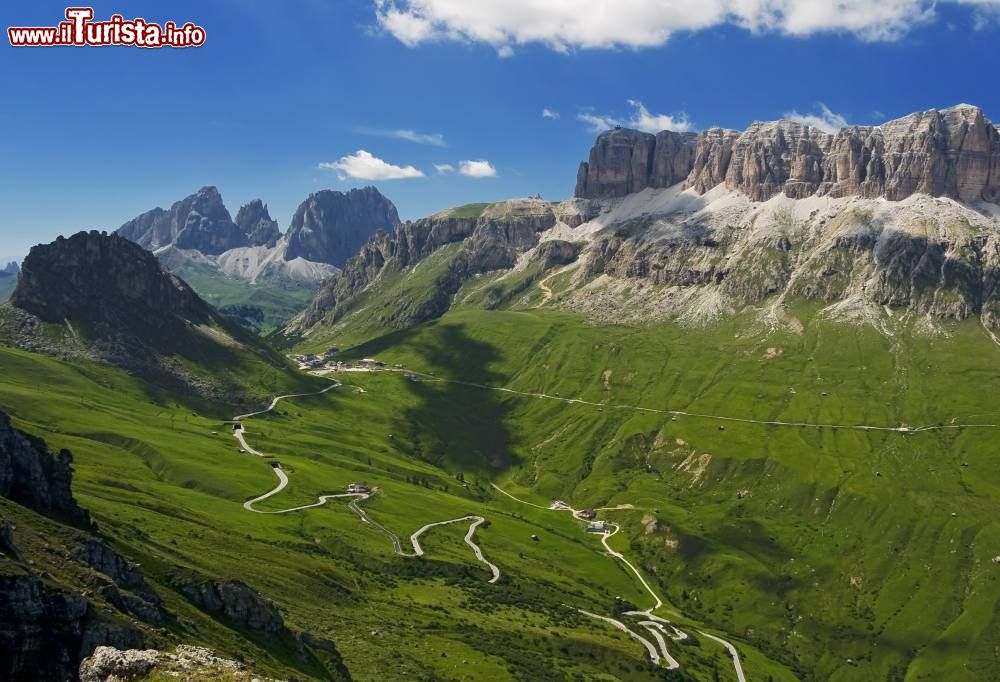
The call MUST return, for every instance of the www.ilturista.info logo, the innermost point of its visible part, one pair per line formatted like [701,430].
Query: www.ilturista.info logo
[80,30]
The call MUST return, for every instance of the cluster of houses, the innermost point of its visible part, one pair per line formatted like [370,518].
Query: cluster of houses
[327,361]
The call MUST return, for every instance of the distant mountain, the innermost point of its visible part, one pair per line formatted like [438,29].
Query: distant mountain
[199,222]
[11,268]
[879,225]
[247,267]
[256,223]
[330,227]
[103,297]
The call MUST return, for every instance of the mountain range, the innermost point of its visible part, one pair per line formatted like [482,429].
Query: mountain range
[198,239]
[762,359]
[872,224]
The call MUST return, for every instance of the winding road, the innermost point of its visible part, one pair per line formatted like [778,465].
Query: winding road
[653,624]
[475,521]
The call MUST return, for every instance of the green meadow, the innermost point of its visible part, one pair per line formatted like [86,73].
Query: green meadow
[820,552]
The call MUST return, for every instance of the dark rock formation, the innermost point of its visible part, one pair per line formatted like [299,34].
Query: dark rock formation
[256,223]
[103,279]
[555,252]
[200,222]
[237,604]
[36,478]
[330,227]
[952,152]
[46,630]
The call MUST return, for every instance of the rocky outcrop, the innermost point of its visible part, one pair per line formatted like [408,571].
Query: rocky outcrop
[330,227]
[236,603]
[36,478]
[108,664]
[46,629]
[952,152]
[199,222]
[256,223]
[103,279]
[120,582]
[625,161]
[555,252]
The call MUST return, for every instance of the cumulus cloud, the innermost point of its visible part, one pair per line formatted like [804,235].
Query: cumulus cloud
[565,25]
[477,169]
[362,165]
[548,113]
[443,168]
[435,139]
[640,119]
[826,120]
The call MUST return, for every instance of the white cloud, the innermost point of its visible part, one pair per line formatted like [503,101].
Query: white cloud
[564,25]
[435,139]
[548,113]
[362,165]
[640,119]
[477,169]
[443,168]
[826,120]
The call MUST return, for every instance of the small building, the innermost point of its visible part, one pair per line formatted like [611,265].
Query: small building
[597,527]
[588,514]
[371,363]
[359,487]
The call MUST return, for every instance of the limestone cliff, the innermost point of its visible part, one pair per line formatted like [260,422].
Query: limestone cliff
[952,152]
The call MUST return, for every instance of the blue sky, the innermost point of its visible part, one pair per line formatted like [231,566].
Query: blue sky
[283,95]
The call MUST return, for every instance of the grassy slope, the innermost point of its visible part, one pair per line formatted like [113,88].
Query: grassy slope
[278,303]
[169,493]
[787,540]
[817,545]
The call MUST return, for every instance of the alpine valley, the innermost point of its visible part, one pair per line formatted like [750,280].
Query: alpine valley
[728,413]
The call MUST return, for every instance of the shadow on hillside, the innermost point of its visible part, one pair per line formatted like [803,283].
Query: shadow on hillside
[453,423]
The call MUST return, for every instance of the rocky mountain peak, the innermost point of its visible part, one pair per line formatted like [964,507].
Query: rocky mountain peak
[330,227]
[102,279]
[11,268]
[256,223]
[199,222]
[952,152]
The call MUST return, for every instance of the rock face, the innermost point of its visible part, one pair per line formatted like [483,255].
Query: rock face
[36,478]
[625,161]
[44,628]
[200,222]
[238,604]
[330,227]
[952,152]
[256,223]
[105,280]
